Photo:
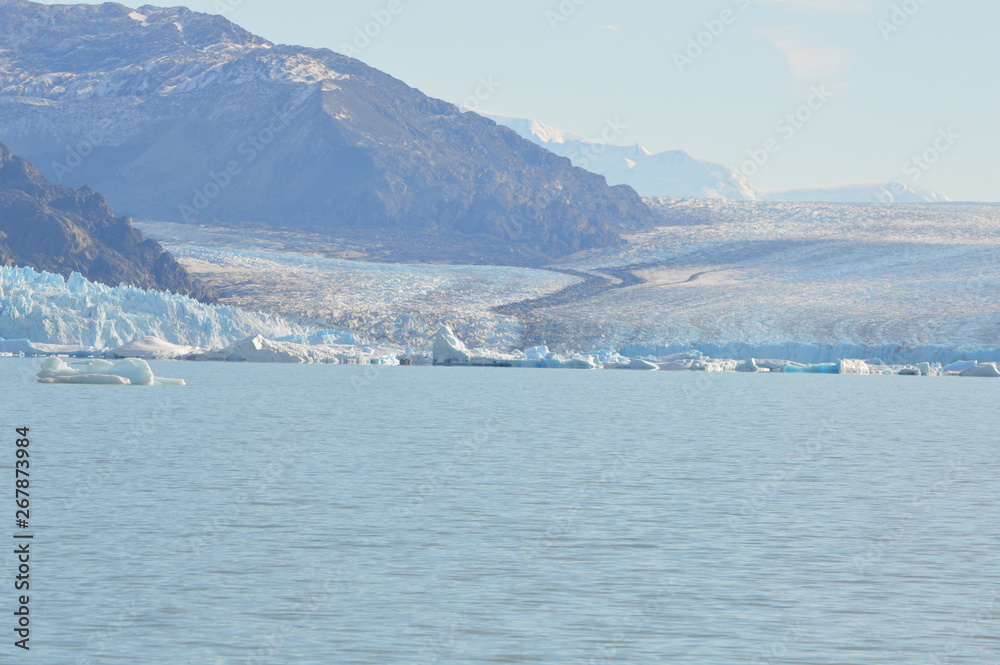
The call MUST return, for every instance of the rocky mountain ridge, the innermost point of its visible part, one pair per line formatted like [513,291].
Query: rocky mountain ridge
[181,116]
[61,230]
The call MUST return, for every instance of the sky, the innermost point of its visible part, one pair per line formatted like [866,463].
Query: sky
[792,93]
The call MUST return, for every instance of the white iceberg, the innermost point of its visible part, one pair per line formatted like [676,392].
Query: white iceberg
[131,371]
[982,370]
[448,349]
[153,348]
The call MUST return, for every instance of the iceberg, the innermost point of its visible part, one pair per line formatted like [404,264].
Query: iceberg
[130,371]
[824,368]
[960,366]
[449,350]
[153,348]
[983,370]
[848,366]
[843,366]
[259,349]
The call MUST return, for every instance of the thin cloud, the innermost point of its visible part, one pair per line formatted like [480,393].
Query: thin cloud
[833,6]
[808,60]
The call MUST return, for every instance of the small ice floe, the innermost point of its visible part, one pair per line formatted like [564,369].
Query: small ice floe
[450,351]
[982,370]
[153,348]
[843,366]
[960,366]
[640,364]
[131,371]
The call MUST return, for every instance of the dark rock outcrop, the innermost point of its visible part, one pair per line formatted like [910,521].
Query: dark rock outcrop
[53,228]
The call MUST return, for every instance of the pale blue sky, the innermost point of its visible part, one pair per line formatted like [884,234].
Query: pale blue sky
[893,91]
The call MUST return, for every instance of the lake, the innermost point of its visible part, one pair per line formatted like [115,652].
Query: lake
[340,514]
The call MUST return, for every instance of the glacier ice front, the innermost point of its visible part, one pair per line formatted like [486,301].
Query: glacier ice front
[51,310]
[131,371]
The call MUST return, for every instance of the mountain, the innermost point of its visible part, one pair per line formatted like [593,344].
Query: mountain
[872,192]
[674,173]
[53,228]
[180,116]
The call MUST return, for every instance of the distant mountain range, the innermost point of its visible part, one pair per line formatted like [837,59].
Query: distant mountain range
[56,229]
[673,173]
[677,174]
[180,116]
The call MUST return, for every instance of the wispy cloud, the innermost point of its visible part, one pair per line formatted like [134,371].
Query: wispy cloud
[834,6]
[808,60]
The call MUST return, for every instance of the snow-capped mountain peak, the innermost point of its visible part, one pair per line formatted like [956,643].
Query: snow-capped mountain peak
[673,173]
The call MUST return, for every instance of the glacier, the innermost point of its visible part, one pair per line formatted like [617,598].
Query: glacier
[74,314]
[808,283]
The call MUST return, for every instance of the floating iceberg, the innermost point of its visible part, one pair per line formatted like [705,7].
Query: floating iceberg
[131,371]
[843,366]
[153,348]
[983,370]
[960,366]
[449,350]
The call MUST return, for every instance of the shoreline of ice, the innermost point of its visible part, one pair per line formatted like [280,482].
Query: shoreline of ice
[129,361]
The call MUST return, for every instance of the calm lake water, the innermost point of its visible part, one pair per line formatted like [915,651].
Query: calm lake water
[336,514]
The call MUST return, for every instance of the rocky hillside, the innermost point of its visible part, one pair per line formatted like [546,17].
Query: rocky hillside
[62,230]
[181,116]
